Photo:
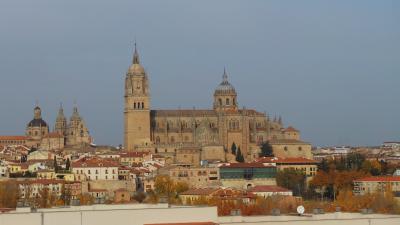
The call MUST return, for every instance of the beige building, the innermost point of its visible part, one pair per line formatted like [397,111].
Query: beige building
[291,148]
[196,176]
[370,185]
[72,134]
[308,166]
[166,131]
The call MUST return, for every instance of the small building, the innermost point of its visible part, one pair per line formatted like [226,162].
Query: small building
[196,176]
[270,190]
[246,175]
[376,184]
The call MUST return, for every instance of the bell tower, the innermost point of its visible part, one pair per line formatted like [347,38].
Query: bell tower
[137,106]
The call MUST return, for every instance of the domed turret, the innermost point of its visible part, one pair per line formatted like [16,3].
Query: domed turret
[37,128]
[136,68]
[37,119]
[225,95]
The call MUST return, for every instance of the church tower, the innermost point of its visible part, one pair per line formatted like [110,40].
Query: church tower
[137,106]
[61,122]
[225,97]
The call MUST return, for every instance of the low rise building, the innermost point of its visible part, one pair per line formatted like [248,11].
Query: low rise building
[269,190]
[95,169]
[196,176]
[308,166]
[376,184]
[247,175]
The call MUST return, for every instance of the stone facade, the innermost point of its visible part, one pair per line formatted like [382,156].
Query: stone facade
[166,131]
[72,134]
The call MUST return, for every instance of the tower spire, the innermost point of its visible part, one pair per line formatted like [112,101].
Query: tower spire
[61,110]
[225,76]
[136,56]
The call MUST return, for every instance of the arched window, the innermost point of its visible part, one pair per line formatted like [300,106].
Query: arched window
[227,101]
[134,105]
[234,101]
[220,102]
[142,105]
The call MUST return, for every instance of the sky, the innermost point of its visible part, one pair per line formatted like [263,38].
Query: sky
[329,68]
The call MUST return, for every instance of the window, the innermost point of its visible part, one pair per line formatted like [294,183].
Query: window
[285,148]
[142,105]
[227,101]
[220,102]
[300,148]
[134,105]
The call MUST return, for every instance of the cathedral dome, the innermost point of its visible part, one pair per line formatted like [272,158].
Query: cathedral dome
[225,87]
[37,123]
[37,118]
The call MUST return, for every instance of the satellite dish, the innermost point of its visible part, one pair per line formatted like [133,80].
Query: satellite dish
[300,209]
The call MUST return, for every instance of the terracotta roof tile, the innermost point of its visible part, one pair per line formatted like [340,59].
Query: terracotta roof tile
[19,138]
[200,191]
[94,162]
[268,188]
[291,129]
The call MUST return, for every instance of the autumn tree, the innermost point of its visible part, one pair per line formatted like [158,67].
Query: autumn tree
[9,194]
[164,186]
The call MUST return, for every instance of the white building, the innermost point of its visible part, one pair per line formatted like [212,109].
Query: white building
[95,169]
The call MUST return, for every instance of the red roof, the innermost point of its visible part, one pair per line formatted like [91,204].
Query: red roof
[199,191]
[379,179]
[94,162]
[291,129]
[186,223]
[133,154]
[15,138]
[268,188]
[292,160]
[245,165]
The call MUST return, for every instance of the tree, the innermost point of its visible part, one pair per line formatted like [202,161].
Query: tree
[55,164]
[372,167]
[292,179]
[139,196]
[239,156]
[233,148]
[8,194]
[67,165]
[266,150]
[323,166]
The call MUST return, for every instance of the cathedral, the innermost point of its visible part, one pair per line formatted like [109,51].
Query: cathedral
[208,131]
[72,134]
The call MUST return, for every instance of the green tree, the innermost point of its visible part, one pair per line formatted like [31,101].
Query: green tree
[239,156]
[67,165]
[266,150]
[292,179]
[233,148]
[323,166]
[55,164]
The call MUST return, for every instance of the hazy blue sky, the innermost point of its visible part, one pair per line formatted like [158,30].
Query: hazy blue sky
[330,68]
